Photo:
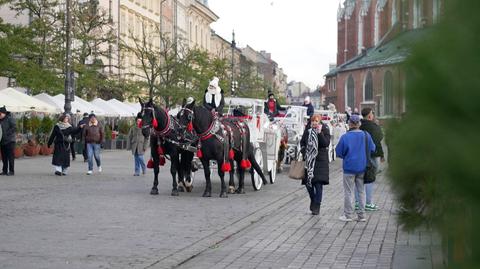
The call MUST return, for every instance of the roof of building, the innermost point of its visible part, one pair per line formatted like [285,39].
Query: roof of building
[394,51]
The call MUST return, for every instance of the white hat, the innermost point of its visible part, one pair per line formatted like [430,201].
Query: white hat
[307,99]
[213,87]
[190,100]
[213,82]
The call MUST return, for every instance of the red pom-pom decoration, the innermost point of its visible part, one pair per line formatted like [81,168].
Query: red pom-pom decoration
[226,167]
[162,161]
[199,153]
[249,164]
[244,164]
[231,154]
[190,127]
[140,123]
[150,164]
[155,123]
[160,150]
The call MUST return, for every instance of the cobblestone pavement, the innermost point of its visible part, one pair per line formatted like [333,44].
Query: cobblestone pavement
[109,220]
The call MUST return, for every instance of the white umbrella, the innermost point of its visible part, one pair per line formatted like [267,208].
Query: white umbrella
[128,110]
[111,111]
[12,104]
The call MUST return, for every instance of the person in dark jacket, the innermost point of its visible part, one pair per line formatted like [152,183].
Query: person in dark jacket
[7,142]
[213,99]
[83,122]
[308,104]
[369,125]
[314,148]
[272,107]
[94,137]
[61,136]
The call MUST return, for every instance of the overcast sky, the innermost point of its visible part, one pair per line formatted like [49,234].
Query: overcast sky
[301,35]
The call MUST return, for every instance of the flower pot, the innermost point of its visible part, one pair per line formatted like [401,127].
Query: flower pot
[18,151]
[45,150]
[30,150]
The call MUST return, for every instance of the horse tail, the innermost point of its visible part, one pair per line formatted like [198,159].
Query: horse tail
[255,165]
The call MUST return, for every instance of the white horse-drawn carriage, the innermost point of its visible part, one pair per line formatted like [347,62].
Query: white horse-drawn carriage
[293,121]
[265,136]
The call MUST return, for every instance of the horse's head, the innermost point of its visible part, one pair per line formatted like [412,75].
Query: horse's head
[148,116]
[186,116]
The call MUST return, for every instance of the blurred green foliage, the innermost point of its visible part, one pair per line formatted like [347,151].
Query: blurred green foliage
[434,148]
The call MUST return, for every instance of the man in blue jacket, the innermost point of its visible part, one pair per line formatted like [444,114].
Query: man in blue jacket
[352,149]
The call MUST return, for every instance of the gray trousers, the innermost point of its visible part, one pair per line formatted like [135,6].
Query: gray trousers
[352,183]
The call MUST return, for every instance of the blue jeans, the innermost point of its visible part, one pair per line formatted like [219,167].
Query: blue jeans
[139,163]
[93,150]
[315,192]
[368,186]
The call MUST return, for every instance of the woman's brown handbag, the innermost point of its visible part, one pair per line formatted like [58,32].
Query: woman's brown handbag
[297,170]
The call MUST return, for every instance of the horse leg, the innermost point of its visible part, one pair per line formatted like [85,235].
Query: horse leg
[231,183]
[208,185]
[241,179]
[187,159]
[173,171]
[156,169]
[221,174]
[257,168]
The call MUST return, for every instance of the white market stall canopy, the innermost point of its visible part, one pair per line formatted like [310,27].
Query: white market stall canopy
[49,100]
[136,106]
[81,106]
[126,108]
[110,108]
[16,101]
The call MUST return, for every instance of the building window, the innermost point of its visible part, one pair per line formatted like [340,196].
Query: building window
[394,12]
[350,101]
[436,10]
[334,84]
[360,34]
[417,14]
[368,90]
[388,93]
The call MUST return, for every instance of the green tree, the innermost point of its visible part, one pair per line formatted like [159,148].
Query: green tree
[433,150]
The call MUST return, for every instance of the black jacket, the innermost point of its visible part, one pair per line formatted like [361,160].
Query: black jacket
[83,121]
[212,105]
[9,129]
[376,133]
[310,109]
[321,170]
[61,151]
[276,108]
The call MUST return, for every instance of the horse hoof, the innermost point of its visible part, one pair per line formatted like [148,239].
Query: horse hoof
[231,190]
[223,195]
[154,192]
[180,189]
[207,194]
[174,192]
[240,191]
[189,189]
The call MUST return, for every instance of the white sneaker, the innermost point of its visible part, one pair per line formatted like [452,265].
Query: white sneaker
[99,169]
[90,172]
[343,218]
[362,219]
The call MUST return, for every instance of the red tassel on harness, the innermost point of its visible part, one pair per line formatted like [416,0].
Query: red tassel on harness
[244,164]
[199,153]
[150,164]
[155,123]
[140,123]
[231,154]
[249,164]
[226,167]
[162,161]
[190,127]
[160,150]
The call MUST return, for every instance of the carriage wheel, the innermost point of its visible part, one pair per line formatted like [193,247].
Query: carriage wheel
[273,173]
[256,179]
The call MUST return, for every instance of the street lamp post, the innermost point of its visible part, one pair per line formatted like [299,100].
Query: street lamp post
[69,91]
[233,45]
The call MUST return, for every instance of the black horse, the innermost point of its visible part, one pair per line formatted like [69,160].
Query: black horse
[224,141]
[166,139]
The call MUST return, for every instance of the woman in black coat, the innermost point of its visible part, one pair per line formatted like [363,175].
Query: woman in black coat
[314,144]
[62,137]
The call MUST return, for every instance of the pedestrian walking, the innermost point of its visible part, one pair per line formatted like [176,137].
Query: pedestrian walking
[94,137]
[62,137]
[7,142]
[368,125]
[139,144]
[83,122]
[352,149]
[314,144]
